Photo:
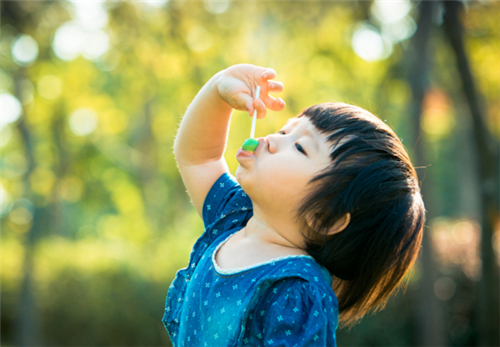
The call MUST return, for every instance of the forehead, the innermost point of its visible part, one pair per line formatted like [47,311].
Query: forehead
[293,120]
[305,124]
[318,140]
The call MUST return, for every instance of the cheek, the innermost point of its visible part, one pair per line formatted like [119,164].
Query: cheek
[280,181]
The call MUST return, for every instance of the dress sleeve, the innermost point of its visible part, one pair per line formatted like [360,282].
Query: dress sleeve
[226,206]
[292,314]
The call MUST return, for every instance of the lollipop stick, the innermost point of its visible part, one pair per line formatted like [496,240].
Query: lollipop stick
[254,119]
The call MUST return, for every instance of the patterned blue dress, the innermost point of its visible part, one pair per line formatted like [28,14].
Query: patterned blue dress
[287,301]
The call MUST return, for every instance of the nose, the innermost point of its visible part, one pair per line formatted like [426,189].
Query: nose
[273,143]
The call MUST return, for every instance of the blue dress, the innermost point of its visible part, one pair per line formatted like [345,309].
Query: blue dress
[287,301]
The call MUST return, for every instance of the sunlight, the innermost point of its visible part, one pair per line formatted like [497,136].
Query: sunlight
[11,109]
[4,200]
[155,3]
[399,30]
[217,7]
[90,14]
[67,41]
[390,11]
[71,40]
[369,44]
[95,44]
[24,50]
[83,121]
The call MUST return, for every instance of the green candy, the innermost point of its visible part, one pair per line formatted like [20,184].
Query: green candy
[250,145]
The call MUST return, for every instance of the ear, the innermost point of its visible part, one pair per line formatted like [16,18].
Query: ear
[340,225]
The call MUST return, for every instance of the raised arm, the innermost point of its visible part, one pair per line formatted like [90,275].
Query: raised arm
[202,137]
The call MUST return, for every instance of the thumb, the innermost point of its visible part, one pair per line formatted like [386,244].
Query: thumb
[244,103]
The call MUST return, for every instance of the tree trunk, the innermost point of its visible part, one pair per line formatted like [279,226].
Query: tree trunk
[486,150]
[27,325]
[429,330]
[57,205]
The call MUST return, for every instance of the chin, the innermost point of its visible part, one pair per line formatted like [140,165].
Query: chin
[240,175]
[245,182]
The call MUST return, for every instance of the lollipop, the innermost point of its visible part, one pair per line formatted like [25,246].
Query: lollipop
[250,145]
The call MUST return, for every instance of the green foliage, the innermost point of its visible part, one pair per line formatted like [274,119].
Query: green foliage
[115,223]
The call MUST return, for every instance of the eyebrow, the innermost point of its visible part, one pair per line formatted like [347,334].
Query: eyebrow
[312,135]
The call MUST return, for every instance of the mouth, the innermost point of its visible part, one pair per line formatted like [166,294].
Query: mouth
[244,154]
[249,154]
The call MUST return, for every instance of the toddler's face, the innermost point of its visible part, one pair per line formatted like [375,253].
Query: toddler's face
[276,176]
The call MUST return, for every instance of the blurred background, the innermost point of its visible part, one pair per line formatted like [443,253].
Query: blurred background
[95,220]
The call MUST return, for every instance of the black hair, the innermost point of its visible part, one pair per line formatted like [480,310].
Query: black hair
[371,178]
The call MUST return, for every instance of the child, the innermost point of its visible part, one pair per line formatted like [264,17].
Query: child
[329,203]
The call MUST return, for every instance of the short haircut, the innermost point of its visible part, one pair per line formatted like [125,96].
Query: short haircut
[372,178]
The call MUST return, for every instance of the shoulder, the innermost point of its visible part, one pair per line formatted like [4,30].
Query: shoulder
[298,293]
[300,281]
[226,209]
[294,311]
[224,198]
[302,269]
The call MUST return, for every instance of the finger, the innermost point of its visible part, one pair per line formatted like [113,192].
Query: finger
[275,87]
[278,105]
[260,107]
[243,102]
[268,74]
[273,103]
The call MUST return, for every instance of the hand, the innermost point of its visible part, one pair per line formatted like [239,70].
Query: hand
[237,85]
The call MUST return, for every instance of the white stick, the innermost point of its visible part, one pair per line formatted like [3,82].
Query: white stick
[254,119]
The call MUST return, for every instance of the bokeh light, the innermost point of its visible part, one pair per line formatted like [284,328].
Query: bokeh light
[14,164]
[155,3]
[11,109]
[4,200]
[67,41]
[444,288]
[71,40]
[109,61]
[42,180]
[437,114]
[83,35]
[94,44]
[83,121]
[390,11]
[24,50]
[102,99]
[399,30]
[5,135]
[369,44]
[27,91]
[22,211]
[72,189]
[217,7]
[456,243]
[199,39]
[6,81]
[90,15]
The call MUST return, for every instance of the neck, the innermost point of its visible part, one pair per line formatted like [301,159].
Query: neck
[273,231]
